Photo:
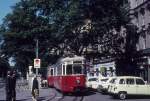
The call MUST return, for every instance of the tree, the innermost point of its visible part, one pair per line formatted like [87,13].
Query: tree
[61,26]
[126,58]
[21,28]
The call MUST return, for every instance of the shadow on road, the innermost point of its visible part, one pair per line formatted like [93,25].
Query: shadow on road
[20,100]
[79,94]
[138,97]
[41,98]
[133,97]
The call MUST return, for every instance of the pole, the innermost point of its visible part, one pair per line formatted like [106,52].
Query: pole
[37,49]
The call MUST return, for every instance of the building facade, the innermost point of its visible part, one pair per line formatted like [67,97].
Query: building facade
[140,16]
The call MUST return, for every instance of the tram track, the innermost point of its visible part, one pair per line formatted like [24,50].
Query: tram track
[62,98]
[81,98]
[77,98]
[53,96]
[59,96]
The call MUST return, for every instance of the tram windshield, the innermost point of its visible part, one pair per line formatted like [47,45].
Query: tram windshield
[77,69]
[74,69]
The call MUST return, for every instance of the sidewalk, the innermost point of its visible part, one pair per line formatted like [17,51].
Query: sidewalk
[25,94]
[2,81]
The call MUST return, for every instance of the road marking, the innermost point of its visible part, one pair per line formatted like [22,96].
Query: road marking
[58,97]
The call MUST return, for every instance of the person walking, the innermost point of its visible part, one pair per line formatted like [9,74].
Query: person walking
[14,86]
[8,87]
[35,89]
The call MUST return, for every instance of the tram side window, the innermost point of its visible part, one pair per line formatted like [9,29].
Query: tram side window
[77,69]
[59,70]
[63,69]
[52,72]
[69,69]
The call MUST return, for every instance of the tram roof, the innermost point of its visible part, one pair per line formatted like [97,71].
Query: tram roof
[75,58]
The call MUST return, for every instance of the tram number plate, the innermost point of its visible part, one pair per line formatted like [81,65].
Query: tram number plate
[77,77]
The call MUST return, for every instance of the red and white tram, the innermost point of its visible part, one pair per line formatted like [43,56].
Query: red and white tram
[68,74]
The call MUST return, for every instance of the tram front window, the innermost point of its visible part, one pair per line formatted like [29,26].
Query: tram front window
[77,69]
[74,69]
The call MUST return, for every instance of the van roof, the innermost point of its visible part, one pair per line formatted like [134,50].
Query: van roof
[128,77]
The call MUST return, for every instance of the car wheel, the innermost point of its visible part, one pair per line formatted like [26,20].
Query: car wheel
[98,89]
[122,95]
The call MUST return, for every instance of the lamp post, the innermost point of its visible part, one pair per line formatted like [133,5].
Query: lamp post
[37,49]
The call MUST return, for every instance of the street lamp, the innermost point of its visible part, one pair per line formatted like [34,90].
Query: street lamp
[37,50]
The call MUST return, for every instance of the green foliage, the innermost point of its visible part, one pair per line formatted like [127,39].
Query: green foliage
[58,25]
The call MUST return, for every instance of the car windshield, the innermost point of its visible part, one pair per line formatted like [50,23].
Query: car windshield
[93,79]
[104,80]
[113,81]
[77,69]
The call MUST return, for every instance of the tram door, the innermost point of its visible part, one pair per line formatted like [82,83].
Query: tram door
[51,71]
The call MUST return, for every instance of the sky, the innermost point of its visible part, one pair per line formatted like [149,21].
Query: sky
[5,8]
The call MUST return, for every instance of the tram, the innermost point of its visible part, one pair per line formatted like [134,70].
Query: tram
[68,74]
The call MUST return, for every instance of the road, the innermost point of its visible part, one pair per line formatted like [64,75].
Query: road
[50,94]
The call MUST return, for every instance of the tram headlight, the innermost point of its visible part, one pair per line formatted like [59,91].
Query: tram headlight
[78,81]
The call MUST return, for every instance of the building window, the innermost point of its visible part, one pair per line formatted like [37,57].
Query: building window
[136,18]
[137,47]
[148,7]
[142,12]
[143,20]
[137,22]
[143,1]
[144,43]
[136,3]
[148,10]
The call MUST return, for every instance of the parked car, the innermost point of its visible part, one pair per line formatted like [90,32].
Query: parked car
[103,86]
[44,82]
[92,82]
[128,85]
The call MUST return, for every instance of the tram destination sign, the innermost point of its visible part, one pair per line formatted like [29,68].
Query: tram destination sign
[77,62]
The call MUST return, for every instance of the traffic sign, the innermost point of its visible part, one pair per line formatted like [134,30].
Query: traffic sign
[37,63]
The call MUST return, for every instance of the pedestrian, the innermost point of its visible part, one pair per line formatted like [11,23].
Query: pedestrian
[14,86]
[35,89]
[8,87]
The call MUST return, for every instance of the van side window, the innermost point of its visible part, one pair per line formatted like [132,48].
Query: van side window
[130,81]
[140,82]
[122,81]
[113,81]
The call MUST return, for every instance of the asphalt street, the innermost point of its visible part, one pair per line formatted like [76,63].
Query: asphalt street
[50,94]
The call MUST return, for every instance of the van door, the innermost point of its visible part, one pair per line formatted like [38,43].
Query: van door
[130,86]
[148,89]
[141,88]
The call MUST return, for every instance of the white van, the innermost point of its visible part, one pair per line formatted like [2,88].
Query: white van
[128,85]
